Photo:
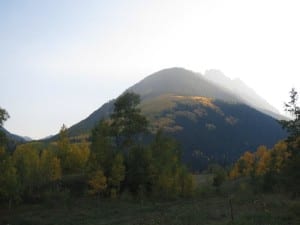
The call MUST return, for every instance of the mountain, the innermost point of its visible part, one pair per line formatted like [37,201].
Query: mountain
[244,92]
[181,82]
[209,129]
[211,122]
[27,139]
[168,81]
[13,139]
[87,124]
[47,138]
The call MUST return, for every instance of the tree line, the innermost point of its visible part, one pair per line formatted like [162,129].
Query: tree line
[121,156]
[121,159]
[278,168]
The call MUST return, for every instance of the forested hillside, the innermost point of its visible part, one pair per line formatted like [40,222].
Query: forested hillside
[211,122]
[120,178]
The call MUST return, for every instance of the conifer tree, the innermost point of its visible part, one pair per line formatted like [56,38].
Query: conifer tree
[3,116]
[291,172]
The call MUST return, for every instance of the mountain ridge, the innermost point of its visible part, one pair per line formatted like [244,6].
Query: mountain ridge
[180,81]
[208,120]
[13,139]
[246,93]
[172,81]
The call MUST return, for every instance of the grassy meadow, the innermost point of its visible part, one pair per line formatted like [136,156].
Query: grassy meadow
[208,206]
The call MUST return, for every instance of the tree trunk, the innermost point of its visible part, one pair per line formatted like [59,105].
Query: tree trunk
[231,210]
[9,204]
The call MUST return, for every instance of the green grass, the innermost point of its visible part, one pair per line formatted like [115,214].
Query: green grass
[214,210]
[208,207]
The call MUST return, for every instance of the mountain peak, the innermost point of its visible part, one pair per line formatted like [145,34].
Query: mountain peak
[199,113]
[173,70]
[180,81]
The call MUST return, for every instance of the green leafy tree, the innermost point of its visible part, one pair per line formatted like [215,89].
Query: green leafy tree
[112,138]
[102,151]
[27,161]
[3,116]
[77,157]
[73,157]
[63,149]
[166,166]
[50,167]
[9,182]
[118,152]
[139,169]
[103,158]
[168,175]
[117,173]
[3,141]
[127,120]
[80,154]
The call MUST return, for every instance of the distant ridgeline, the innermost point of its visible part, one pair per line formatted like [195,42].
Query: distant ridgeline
[215,119]
[12,139]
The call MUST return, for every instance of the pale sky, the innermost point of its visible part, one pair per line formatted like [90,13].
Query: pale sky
[60,60]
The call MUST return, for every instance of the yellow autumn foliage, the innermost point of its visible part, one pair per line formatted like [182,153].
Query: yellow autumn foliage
[261,161]
[98,183]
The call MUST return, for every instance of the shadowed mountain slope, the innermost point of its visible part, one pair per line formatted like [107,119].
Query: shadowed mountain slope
[12,139]
[211,130]
[211,122]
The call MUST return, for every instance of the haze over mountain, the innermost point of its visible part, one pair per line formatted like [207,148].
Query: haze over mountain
[181,82]
[210,121]
[244,92]
[213,84]
[51,51]
[177,81]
